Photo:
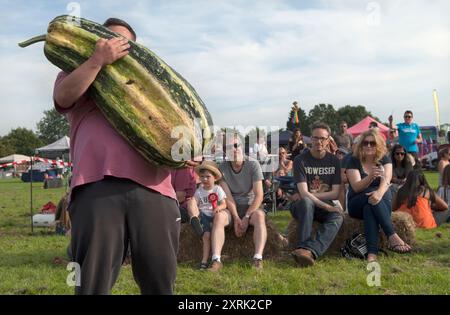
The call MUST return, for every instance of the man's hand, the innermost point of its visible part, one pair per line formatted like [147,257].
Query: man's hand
[109,50]
[335,209]
[244,226]
[192,163]
[390,118]
[238,227]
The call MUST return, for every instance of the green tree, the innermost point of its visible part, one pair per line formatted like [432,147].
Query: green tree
[5,147]
[23,141]
[352,115]
[324,113]
[52,126]
[302,120]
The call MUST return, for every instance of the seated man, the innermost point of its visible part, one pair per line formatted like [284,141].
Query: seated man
[242,183]
[318,176]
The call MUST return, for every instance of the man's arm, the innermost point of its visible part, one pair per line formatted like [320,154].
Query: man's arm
[304,193]
[419,137]
[329,195]
[231,204]
[181,196]
[78,81]
[259,196]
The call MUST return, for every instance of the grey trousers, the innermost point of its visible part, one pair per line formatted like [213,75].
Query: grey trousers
[112,214]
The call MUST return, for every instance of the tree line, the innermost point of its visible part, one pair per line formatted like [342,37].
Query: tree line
[54,126]
[50,128]
[328,114]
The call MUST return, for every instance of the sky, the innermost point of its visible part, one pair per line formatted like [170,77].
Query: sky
[250,59]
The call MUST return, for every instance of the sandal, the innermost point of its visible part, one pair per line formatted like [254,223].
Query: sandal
[399,248]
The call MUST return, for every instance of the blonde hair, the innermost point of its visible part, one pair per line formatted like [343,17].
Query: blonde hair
[380,147]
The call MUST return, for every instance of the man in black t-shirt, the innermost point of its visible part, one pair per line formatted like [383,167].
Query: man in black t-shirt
[318,177]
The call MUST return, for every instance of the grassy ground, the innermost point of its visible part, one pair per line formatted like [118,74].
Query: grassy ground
[26,261]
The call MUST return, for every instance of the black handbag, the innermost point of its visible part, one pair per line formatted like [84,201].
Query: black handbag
[355,247]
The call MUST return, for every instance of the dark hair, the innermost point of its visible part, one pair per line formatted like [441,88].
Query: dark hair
[408,112]
[443,152]
[295,131]
[119,22]
[415,184]
[405,162]
[373,124]
[321,125]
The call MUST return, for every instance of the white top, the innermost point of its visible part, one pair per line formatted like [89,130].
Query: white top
[201,196]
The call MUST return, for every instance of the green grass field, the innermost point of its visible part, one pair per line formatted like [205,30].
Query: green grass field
[26,261]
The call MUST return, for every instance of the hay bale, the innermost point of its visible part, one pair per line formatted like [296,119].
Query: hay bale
[403,225]
[190,247]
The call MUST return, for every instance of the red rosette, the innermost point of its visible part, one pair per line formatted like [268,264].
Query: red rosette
[213,198]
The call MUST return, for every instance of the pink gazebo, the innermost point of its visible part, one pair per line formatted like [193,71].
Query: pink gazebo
[363,125]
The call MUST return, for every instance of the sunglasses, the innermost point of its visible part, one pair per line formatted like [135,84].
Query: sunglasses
[399,153]
[367,143]
[407,116]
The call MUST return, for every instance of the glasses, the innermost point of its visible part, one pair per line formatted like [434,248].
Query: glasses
[399,153]
[407,116]
[367,143]
[319,139]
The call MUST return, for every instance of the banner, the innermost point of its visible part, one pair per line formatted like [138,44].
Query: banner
[436,108]
[37,159]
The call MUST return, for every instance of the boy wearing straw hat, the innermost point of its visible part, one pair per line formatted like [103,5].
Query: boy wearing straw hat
[208,200]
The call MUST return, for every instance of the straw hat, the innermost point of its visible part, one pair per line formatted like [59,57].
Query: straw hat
[210,166]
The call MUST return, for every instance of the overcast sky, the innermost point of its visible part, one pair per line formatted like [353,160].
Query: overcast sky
[249,60]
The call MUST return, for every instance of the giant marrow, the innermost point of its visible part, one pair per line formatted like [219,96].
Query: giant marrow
[140,95]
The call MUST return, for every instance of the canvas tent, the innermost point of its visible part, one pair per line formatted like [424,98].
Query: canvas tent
[363,125]
[17,158]
[8,169]
[55,149]
[284,137]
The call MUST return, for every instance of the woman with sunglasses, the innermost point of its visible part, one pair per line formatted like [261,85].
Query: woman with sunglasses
[401,165]
[409,134]
[369,173]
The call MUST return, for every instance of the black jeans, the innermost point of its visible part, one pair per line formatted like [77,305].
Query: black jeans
[373,216]
[305,212]
[112,213]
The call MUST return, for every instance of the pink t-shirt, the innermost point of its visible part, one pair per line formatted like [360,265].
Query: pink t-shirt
[98,150]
